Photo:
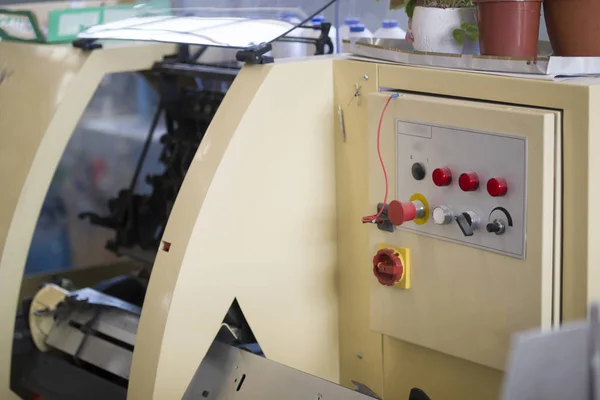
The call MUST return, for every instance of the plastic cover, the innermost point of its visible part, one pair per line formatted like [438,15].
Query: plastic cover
[218,23]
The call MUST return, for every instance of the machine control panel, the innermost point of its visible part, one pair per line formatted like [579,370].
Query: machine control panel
[474,184]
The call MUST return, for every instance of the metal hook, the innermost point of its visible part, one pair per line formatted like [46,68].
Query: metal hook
[356,94]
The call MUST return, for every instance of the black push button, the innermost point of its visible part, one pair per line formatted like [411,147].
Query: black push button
[418,171]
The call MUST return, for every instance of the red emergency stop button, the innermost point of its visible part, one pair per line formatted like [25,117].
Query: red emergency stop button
[387,267]
[468,182]
[401,212]
[442,176]
[497,187]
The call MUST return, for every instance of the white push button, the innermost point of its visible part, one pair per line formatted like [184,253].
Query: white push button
[442,215]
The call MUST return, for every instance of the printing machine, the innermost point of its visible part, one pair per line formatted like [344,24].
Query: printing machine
[270,279]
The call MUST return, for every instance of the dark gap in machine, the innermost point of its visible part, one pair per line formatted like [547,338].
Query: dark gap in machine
[139,219]
[102,336]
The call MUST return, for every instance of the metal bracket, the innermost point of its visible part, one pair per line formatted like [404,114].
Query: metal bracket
[256,55]
[384,224]
[324,40]
[231,373]
[364,389]
[89,298]
[87,44]
[342,124]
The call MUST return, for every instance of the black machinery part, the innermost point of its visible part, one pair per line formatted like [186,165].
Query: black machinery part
[139,219]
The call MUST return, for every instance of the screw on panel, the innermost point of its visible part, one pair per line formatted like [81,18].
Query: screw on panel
[360,356]
[366,77]
[319,396]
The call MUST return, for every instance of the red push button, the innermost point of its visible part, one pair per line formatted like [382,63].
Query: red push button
[468,182]
[497,187]
[399,213]
[442,176]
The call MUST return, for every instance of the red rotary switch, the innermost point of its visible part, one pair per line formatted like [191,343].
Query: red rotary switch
[399,213]
[468,182]
[442,177]
[387,267]
[497,187]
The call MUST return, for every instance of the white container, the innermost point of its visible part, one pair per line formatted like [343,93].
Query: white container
[432,28]
[291,18]
[317,19]
[291,49]
[227,56]
[344,31]
[359,31]
[390,30]
[316,22]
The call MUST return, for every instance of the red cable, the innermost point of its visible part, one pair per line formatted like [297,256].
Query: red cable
[375,218]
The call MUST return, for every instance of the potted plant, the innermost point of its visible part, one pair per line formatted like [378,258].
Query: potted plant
[509,28]
[573,27]
[441,26]
[468,36]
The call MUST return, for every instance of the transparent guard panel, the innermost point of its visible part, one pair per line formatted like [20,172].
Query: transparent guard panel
[218,23]
[99,161]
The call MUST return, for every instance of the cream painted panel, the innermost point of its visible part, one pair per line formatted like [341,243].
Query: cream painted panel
[464,301]
[40,104]
[361,358]
[574,98]
[261,196]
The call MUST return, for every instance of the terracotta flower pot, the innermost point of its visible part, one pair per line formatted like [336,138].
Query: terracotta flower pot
[573,27]
[509,28]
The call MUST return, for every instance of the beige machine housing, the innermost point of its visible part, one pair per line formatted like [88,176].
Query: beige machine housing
[455,322]
[270,214]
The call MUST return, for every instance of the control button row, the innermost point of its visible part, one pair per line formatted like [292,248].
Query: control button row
[468,221]
[468,181]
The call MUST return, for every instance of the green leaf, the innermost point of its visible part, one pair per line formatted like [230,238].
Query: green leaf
[459,36]
[396,4]
[465,25]
[410,7]
[473,36]
[472,29]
